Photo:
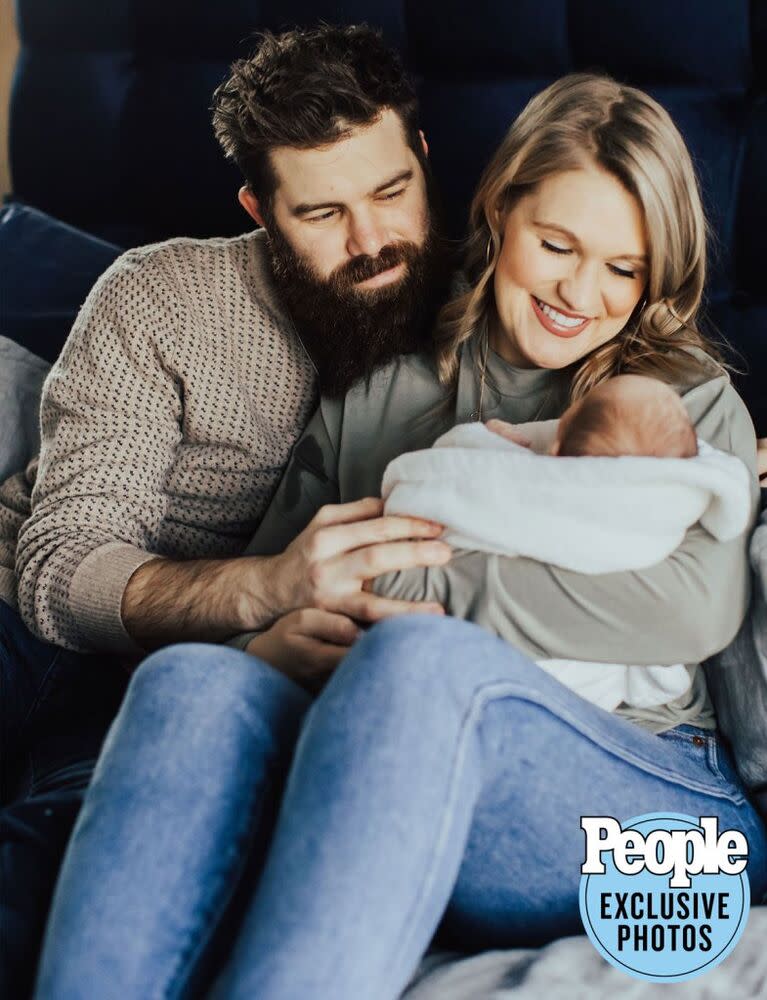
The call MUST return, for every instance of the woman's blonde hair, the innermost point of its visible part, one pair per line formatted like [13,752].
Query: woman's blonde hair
[579,118]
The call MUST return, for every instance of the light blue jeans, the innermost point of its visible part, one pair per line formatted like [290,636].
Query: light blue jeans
[436,784]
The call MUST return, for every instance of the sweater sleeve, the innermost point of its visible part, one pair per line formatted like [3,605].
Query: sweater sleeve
[110,420]
[681,610]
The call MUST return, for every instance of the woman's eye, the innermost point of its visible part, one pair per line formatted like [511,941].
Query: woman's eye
[622,271]
[553,248]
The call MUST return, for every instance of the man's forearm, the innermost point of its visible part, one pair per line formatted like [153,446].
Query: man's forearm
[200,600]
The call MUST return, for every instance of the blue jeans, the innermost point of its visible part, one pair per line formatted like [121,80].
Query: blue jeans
[435,785]
[55,708]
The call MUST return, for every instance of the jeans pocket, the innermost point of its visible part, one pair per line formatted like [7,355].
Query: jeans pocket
[706,757]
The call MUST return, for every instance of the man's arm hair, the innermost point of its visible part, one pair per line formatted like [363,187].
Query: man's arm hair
[215,599]
[201,600]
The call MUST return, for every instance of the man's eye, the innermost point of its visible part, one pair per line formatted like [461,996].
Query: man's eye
[393,194]
[553,248]
[322,218]
[622,271]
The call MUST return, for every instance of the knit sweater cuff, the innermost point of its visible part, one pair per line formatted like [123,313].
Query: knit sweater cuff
[96,594]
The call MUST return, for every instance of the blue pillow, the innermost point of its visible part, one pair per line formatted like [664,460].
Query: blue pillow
[47,269]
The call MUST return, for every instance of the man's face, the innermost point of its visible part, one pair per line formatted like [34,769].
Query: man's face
[351,199]
[354,251]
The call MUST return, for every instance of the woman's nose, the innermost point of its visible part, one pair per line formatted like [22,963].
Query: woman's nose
[580,290]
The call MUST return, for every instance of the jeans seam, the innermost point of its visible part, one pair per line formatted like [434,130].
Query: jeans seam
[629,756]
[712,755]
[476,707]
[41,687]
[40,786]
[493,691]
[190,956]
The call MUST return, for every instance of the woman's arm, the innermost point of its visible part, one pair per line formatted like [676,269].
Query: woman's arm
[681,610]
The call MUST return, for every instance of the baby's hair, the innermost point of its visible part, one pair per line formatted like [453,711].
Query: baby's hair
[648,419]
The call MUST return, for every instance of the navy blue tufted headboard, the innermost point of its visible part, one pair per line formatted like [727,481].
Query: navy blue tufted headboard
[110,128]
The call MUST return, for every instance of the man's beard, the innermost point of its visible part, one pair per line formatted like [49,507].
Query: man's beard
[349,332]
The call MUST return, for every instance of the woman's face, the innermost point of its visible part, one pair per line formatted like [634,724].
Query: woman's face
[572,268]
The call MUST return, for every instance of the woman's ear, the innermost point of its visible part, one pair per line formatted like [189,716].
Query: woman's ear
[251,204]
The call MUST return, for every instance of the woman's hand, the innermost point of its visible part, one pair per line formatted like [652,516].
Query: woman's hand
[306,645]
[761,460]
[506,430]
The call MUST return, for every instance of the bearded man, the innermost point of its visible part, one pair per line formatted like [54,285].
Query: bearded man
[170,415]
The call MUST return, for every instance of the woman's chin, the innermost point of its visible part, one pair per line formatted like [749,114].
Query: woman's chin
[553,356]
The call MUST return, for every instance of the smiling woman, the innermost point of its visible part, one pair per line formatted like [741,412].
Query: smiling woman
[587,241]
[571,265]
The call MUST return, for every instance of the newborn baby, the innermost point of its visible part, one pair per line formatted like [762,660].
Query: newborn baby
[627,415]
[641,479]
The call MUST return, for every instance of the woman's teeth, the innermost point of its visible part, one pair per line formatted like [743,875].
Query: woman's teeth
[559,318]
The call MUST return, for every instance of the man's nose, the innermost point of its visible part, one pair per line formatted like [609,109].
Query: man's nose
[580,290]
[366,235]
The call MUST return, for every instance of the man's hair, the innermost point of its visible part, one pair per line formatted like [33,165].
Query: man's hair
[307,88]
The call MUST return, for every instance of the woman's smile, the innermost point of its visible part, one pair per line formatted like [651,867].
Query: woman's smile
[558,322]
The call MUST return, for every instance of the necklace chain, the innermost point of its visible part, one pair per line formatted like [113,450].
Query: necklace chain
[478,411]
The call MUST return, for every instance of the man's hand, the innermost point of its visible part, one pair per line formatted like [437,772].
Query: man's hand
[327,567]
[342,548]
[306,645]
[761,460]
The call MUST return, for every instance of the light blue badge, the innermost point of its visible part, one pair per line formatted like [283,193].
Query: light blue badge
[664,896]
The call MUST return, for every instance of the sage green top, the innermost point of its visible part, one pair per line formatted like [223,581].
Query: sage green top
[682,610]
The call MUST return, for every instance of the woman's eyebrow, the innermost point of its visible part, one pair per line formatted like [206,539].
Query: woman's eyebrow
[641,258]
[559,229]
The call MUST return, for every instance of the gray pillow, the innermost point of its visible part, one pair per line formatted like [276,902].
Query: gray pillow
[21,381]
[737,679]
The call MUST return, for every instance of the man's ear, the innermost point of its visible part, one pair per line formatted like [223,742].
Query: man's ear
[424,143]
[251,204]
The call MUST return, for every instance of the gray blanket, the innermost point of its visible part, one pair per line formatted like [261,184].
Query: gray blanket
[572,969]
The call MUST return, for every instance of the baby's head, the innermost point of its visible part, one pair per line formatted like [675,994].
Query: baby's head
[627,415]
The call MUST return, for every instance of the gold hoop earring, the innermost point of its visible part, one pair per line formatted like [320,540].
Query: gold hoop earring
[489,251]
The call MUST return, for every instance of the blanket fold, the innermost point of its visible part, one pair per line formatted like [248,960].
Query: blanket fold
[587,514]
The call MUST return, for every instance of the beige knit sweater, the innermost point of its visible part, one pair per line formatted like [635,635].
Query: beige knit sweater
[165,426]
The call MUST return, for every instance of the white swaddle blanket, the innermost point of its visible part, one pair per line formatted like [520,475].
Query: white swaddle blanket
[587,514]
